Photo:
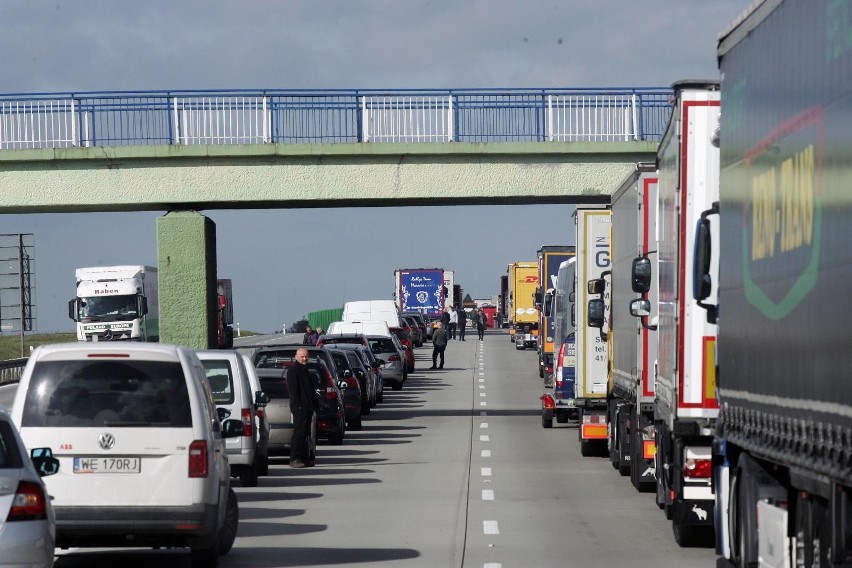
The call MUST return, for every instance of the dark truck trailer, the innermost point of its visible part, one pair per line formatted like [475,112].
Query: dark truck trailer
[549,259]
[783,460]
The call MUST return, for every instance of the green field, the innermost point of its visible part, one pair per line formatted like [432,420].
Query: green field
[10,345]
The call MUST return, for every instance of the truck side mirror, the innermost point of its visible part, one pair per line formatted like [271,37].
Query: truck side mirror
[548,303]
[702,281]
[641,308]
[72,309]
[573,315]
[597,286]
[143,305]
[640,275]
[537,298]
[596,313]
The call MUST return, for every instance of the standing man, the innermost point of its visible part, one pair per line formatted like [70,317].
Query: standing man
[454,322]
[303,404]
[462,323]
[439,343]
[445,320]
[481,323]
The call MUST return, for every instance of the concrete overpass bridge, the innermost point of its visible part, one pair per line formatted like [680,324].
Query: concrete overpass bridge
[183,152]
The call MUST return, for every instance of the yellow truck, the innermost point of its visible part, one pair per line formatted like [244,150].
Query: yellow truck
[523,317]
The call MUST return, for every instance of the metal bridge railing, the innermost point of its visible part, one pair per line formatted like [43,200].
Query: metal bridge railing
[11,369]
[61,120]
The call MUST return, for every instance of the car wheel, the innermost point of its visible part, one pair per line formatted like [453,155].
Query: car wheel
[380,397]
[336,438]
[365,406]
[397,386]
[248,475]
[355,424]
[546,422]
[228,532]
[262,464]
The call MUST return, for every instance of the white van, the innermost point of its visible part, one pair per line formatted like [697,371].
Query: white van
[363,327]
[136,432]
[372,310]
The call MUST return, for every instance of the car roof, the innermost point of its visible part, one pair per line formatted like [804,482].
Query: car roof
[139,350]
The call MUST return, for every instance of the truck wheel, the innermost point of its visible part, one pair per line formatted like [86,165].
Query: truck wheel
[248,475]
[586,448]
[811,532]
[546,422]
[623,436]
[562,417]
[687,536]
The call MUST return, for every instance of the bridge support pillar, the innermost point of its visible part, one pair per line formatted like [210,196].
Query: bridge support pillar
[186,258]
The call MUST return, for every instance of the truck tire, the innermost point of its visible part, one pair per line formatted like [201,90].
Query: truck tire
[586,448]
[623,436]
[546,422]
[812,527]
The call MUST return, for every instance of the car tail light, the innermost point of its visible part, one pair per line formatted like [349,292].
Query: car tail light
[547,401]
[351,382]
[394,358]
[330,391]
[198,458]
[245,413]
[548,368]
[29,503]
[697,468]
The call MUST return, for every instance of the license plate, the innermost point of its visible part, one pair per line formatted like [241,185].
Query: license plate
[124,464]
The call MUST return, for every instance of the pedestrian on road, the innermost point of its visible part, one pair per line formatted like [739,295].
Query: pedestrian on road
[439,344]
[303,404]
[481,324]
[310,337]
[462,323]
[454,322]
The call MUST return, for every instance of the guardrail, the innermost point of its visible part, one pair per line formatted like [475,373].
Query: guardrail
[133,118]
[11,369]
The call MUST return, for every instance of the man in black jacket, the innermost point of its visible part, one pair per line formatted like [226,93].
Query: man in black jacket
[462,322]
[303,404]
[439,344]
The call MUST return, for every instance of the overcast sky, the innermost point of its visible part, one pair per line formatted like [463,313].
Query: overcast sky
[285,263]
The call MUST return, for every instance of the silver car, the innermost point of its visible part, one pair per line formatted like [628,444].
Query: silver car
[388,350]
[27,520]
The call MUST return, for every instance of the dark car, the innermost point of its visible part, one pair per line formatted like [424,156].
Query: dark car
[274,385]
[417,337]
[402,335]
[354,399]
[371,388]
[422,322]
[331,418]
[371,366]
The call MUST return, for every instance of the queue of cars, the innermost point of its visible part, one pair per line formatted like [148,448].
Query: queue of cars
[141,440]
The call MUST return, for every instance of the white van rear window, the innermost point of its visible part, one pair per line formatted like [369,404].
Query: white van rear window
[123,393]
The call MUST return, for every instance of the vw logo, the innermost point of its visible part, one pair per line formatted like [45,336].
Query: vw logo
[106,441]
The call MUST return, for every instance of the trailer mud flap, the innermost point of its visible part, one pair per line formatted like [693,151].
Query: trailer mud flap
[693,512]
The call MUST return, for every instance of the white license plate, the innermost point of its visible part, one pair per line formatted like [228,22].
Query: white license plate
[103,464]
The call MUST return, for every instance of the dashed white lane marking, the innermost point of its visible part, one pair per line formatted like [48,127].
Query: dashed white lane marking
[482,386]
[484,438]
[483,424]
[483,403]
[485,454]
[487,495]
[490,527]
[492,565]
[482,394]
[481,380]
[486,471]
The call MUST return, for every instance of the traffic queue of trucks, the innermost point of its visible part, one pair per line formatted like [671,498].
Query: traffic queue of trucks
[523,316]
[709,338]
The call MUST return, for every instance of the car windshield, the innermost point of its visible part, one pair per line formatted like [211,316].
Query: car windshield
[348,340]
[97,393]
[110,307]
[274,387]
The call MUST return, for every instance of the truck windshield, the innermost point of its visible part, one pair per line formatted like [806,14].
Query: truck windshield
[109,307]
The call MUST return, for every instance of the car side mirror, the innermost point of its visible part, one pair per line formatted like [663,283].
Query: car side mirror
[342,385]
[44,461]
[232,428]
[347,373]
[380,362]
[261,398]
[222,413]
